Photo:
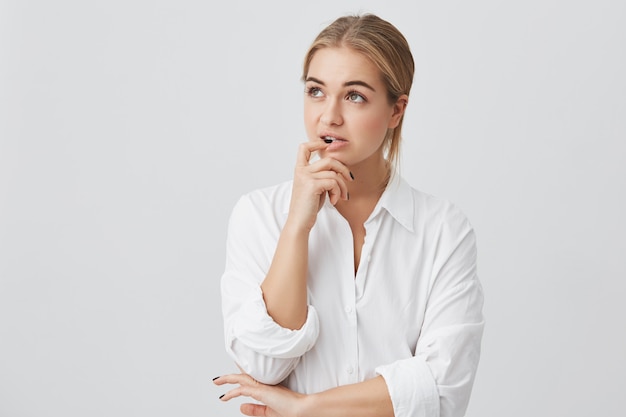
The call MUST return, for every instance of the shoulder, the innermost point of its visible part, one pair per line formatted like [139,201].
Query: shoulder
[433,212]
[267,201]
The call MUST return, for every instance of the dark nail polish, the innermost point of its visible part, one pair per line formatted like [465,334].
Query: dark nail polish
[351,176]
[215,378]
[221,396]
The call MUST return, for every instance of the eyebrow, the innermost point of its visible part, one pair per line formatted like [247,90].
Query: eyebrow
[346,84]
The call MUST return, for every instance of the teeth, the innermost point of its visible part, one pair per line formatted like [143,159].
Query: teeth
[329,139]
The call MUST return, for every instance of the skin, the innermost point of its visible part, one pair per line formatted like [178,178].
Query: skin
[367,399]
[346,98]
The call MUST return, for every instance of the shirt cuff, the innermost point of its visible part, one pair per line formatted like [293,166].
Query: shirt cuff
[256,329]
[412,388]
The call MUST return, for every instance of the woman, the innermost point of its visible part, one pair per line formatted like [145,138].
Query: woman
[346,292]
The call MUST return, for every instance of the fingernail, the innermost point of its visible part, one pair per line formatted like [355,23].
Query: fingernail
[221,396]
[351,176]
[215,378]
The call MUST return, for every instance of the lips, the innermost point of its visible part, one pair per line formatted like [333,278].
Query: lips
[331,139]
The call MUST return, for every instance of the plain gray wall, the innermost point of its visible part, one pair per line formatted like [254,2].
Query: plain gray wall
[128,129]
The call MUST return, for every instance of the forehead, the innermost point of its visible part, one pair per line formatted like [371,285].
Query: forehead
[342,64]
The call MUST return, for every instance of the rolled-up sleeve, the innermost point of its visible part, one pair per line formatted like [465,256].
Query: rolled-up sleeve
[438,379]
[259,346]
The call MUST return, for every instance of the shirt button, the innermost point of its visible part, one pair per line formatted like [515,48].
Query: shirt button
[348,309]
[349,369]
[369,258]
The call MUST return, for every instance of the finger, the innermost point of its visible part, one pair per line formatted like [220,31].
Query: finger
[331,164]
[332,187]
[334,176]
[233,379]
[306,149]
[242,391]
[253,410]
[334,196]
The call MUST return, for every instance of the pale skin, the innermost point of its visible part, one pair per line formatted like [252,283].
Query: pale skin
[345,99]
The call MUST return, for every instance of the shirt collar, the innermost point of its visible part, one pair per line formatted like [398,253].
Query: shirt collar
[397,199]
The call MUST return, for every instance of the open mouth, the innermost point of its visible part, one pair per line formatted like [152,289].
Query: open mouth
[331,139]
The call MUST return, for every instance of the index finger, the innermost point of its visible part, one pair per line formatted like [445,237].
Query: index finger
[306,149]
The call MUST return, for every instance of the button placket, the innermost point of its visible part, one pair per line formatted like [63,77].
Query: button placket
[372,227]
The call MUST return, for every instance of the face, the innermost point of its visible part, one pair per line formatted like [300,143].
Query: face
[346,101]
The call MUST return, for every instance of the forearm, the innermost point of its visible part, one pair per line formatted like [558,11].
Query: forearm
[365,399]
[284,288]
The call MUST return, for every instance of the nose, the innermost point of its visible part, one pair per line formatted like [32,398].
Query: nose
[331,114]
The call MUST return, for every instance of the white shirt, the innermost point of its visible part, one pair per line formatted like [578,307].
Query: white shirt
[412,314]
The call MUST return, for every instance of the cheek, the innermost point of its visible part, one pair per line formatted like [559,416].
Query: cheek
[376,125]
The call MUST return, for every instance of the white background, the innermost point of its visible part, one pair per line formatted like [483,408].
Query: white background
[128,129]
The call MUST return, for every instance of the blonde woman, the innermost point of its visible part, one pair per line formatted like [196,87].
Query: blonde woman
[347,292]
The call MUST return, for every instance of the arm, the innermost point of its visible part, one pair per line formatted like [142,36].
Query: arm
[284,287]
[257,344]
[266,264]
[365,399]
[438,379]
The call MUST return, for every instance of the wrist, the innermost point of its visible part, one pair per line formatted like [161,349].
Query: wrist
[295,229]
[307,406]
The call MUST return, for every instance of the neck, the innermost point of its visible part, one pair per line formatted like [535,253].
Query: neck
[370,178]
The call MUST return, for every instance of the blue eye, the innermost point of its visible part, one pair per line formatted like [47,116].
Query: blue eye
[356,97]
[314,92]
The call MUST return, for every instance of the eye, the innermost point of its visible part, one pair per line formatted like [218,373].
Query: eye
[314,92]
[356,97]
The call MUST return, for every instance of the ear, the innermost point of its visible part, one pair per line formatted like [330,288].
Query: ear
[398,111]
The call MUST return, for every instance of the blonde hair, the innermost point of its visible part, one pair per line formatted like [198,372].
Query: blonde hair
[386,47]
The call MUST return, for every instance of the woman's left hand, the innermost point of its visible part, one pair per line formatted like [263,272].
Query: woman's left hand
[277,400]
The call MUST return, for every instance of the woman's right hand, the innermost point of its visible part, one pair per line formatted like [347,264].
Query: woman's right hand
[311,183]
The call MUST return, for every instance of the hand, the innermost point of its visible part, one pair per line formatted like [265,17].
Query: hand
[312,182]
[277,400]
